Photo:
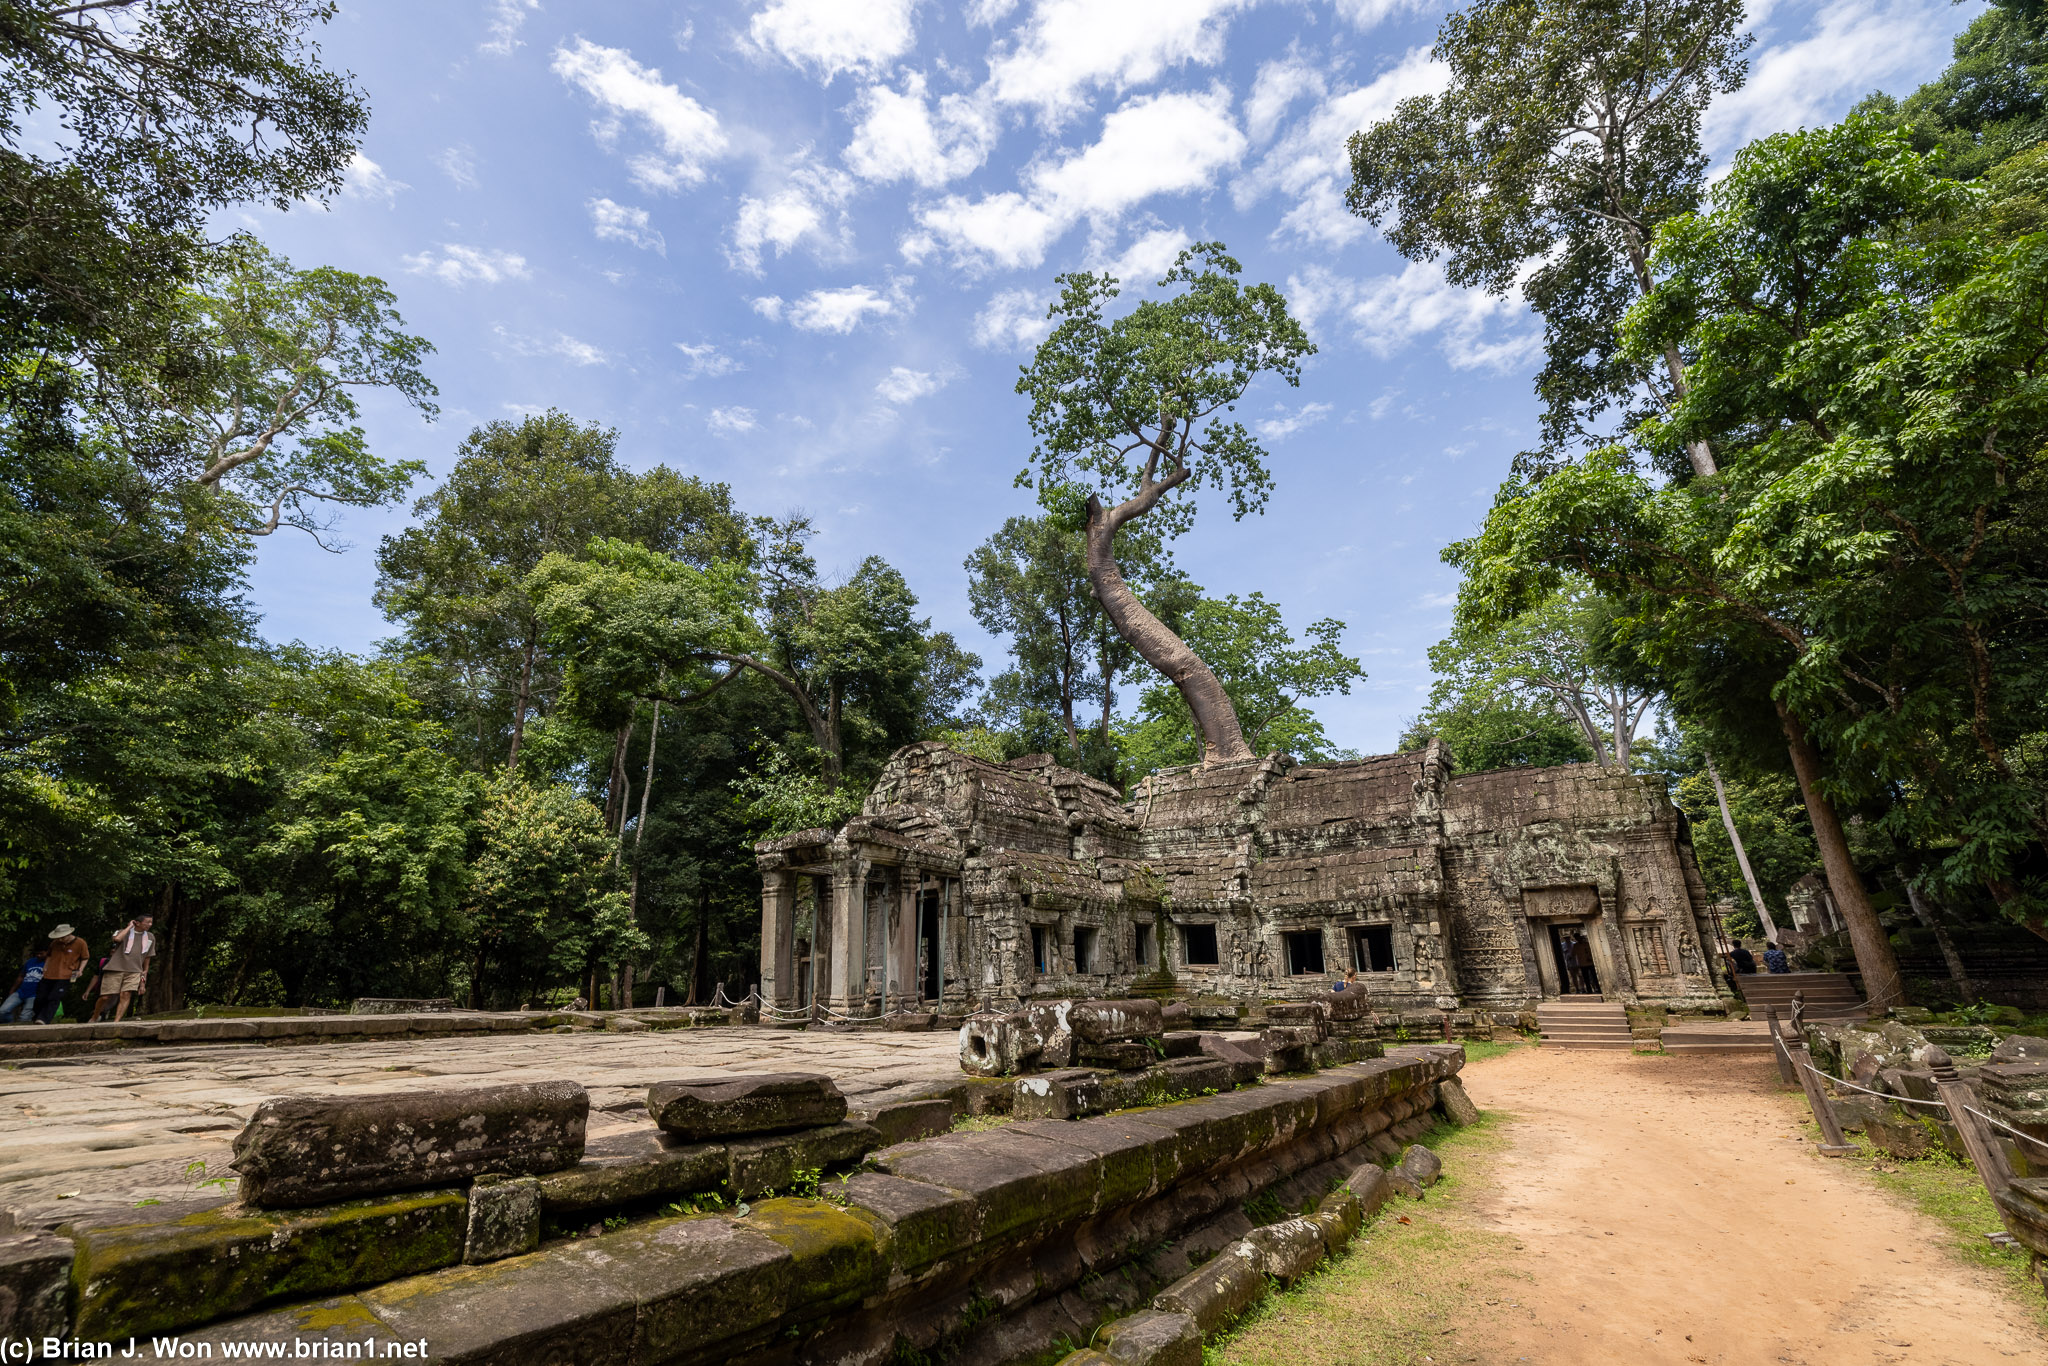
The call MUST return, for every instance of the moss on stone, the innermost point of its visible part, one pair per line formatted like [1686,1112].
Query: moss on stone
[838,1253]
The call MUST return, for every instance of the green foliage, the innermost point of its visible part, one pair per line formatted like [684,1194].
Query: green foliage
[1489,731]
[1567,133]
[1992,101]
[545,901]
[1768,814]
[1267,674]
[778,798]
[1116,401]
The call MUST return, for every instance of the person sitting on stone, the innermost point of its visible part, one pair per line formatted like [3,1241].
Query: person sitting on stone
[1742,959]
[20,1005]
[1775,961]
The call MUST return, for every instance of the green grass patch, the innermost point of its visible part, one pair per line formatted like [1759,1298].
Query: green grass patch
[1399,1289]
[1479,1050]
[970,1124]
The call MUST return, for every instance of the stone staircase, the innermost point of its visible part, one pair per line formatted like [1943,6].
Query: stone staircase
[1829,996]
[1718,1036]
[1584,1022]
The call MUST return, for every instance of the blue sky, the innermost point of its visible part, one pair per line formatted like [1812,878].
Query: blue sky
[801,246]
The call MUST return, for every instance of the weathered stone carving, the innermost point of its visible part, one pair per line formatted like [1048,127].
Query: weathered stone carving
[726,1107]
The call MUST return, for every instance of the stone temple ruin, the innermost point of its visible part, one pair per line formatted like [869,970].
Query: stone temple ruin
[966,885]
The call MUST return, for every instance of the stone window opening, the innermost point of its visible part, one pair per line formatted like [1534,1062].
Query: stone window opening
[1372,948]
[1041,950]
[1084,949]
[1142,948]
[1198,946]
[1304,953]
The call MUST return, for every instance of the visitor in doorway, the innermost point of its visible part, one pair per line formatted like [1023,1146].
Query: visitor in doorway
[1774,960]
[1742,959]
[20,1004]
[1582,961]
[1566,962]
[126,969]
[67,955]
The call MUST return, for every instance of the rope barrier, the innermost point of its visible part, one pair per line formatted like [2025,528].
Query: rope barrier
[1881,1095]
[2021,1135]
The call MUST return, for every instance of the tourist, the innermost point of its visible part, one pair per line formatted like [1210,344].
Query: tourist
[1582,960]
[68,953]
[20,1004]
[1774,960]
[1742,959]
[126,969]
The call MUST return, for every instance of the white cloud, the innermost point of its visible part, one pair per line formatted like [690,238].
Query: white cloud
[1365,14]
[840,310]
[1308,163]
[1287,424]
[731,421]
[1156,144]
[706,361]
[1148,257]
[1478,330]
[365,179]
[808,206]
[905,385]
[989,13]
[615,222]
[831,36]
[1275,89]
[460,265]
[507,18]
[688,133]
[562,346]
[458,163]
[1855,46]
[900,136]
[1071,47]
[1013,320]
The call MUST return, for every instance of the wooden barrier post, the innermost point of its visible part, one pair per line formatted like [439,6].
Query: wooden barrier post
[1982,1145]
[1832,1144]
[1785,1071]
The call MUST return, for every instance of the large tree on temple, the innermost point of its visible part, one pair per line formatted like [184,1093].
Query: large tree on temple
[1131,419]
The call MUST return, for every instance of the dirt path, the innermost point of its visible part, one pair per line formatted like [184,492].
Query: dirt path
[1669,1211]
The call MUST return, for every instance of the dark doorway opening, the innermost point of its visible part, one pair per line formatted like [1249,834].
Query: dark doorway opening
[1084,949]
[1573,952]
[1198,943]
[1304,952]
[1142,950]
[928,926]
[1041,957]
[1372,948]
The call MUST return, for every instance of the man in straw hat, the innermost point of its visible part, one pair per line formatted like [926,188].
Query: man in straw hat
[68,954]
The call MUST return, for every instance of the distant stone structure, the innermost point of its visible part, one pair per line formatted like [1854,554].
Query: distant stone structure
[967,885]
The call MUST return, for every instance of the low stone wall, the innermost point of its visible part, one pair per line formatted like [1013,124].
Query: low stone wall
[902,1236]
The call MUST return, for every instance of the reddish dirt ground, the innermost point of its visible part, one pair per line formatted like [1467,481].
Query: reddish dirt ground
[1670,1211]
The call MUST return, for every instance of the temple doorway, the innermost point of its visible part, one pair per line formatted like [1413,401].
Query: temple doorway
[1571,949]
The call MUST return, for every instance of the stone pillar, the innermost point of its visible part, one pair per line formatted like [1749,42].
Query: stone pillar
[778,937]
[905,948]
[848,945]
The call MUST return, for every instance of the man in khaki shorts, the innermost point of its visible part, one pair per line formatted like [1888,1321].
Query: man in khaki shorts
[127,967]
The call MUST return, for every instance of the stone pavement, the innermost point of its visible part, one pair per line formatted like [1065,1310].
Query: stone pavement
[110,1129]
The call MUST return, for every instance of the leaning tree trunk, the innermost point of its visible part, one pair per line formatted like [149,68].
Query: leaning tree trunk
[1882,982]
[1924,913]
[1763,914]
[1222,737]
[524,702]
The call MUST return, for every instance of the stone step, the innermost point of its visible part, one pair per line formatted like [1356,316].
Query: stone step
[1612,1044]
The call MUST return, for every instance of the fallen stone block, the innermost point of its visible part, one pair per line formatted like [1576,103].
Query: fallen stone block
[1124,1057]
[1102,1022]
[1175,1015]
[504,1218]
[724,1107]
[622,1170]
[1151,1337]
[1017,1183]
[1854,1112]
[303,1150]
[913,1022]
[625,1024]
[1289,1048]
[1369,1183]
[1338,1217]
[1421,1165]
[185,1267]
[901,1121]
[758,1166]
[1181,1043]
[1216,1293]
[1901,1138]
[1310,1015]
[35,1286]
[1351,1004]
[1247,1057]
[1067,1094]
[1456,1105]
[1286,1251]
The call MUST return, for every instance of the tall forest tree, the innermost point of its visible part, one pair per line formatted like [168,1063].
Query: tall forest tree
[1569,131]
[1131,418]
